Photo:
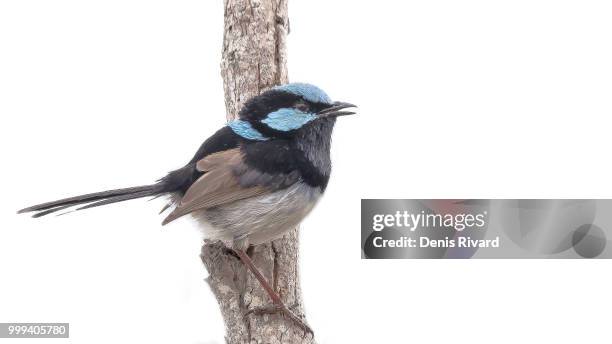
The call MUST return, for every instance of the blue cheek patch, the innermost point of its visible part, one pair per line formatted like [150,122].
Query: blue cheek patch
[287,119]
[244,129]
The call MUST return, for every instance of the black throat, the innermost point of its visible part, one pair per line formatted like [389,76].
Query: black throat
[312,145]
[307,152]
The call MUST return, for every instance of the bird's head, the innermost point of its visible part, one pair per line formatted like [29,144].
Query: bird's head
[284,111]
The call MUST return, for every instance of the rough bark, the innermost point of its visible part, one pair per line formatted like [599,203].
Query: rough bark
[254,58]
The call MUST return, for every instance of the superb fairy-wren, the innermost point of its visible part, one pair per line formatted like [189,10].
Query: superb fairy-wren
[250,182]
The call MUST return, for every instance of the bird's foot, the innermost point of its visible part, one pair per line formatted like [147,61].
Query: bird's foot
[285,312]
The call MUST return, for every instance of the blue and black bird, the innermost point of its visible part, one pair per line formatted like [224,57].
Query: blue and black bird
[253,180]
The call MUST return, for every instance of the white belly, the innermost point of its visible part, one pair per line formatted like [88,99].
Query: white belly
[259,219]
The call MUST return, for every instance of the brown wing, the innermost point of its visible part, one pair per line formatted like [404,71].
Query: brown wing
[220,184]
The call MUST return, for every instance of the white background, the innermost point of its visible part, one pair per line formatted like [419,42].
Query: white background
[458,99]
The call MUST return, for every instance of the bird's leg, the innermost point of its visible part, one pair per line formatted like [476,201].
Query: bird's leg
[278,306]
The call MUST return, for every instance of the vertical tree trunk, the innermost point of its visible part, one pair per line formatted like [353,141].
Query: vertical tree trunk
[254,58]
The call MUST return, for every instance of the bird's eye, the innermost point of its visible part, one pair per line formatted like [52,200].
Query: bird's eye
[302,106]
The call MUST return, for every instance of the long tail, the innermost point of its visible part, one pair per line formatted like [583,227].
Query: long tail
[96,199]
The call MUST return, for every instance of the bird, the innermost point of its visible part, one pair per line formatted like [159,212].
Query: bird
[250,182]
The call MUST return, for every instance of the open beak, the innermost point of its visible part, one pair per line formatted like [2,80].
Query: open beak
[334,110]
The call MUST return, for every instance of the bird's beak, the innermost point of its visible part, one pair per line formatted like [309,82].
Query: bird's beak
[334,110]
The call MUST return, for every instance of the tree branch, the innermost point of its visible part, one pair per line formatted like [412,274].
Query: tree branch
[253,59]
